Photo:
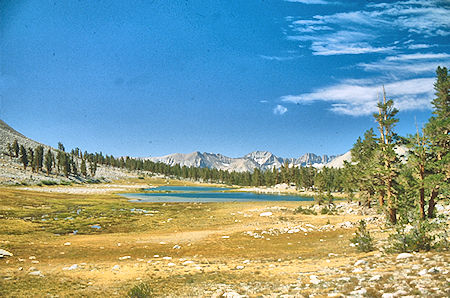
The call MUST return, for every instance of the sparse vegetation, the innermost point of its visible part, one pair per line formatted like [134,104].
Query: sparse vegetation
[141,290]
[363,241]
[306,211]
[421,235]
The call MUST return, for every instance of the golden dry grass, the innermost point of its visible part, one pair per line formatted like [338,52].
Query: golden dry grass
[198,228]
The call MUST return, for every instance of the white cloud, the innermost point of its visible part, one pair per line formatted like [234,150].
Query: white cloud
[278,58]
[263,101]
[342,42]
[420,46]
[408,63]
[326,49]
[279,110]
[365,31]
[361,99]
[418,56]
[311,1]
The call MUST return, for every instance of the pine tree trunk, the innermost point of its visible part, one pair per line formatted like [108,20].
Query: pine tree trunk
[381,198]
[432,202]
[422,202]
[390,202]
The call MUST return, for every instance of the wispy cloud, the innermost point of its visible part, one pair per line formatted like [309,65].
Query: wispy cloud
[278,58]
[312,1]
[408,63]
[418,56]
[364,31]
[420,46]
[342,42]
[361,99]
[280,110]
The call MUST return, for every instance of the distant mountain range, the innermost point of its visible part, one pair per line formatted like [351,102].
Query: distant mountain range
[262,160]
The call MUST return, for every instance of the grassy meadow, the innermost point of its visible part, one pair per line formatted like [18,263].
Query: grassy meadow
[175,249]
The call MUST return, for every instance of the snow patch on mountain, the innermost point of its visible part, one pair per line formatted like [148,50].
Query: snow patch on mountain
[263,160]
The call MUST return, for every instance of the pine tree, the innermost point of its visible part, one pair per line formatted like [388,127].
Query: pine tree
[437,130]
[32,159]
[15,147]
[65,164]
[23,157]
[93,168]
[10,150]
[39,157]
[83,168]
[49,160]
[388,168]
[360,174]
[74,166]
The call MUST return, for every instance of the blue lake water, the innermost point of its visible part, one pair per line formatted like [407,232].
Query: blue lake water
[205,195]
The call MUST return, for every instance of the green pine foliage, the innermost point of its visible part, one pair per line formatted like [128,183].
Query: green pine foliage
[362,240]
[437,131]
[15,147]
[388,167]
[420,235]
[49,161]
[83,168]
[23,157]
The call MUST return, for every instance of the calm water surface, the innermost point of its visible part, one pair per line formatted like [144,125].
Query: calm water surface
[205,195]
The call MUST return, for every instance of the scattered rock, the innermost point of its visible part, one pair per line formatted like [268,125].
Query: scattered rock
[359,292]
[73,267]
[404,255]
[422,272]
[434,270]
[5,253]
[36,273]
[116,267]
[188,262]
[375,278]
[67,244]
[266,214]
[360,262]
[314,280]
[176,246]
[124,258]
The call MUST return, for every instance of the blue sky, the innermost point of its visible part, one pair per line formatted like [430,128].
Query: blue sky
[149,78]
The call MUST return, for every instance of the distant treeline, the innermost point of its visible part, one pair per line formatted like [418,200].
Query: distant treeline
[60,162]
[77,163]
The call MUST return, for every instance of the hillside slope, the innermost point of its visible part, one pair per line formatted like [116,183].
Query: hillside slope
[12,172]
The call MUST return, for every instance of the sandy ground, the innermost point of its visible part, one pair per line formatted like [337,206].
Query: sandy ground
[87,189]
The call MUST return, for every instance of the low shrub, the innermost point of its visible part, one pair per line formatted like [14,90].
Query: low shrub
[140,290]
[306,211]
[329,211]
[363,241]
[421,235]
[48,182]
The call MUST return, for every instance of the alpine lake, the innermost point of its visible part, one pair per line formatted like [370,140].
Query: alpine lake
[184,194]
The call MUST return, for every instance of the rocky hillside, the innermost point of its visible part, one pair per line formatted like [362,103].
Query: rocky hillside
[8,135]
[12,172]
[262,160]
